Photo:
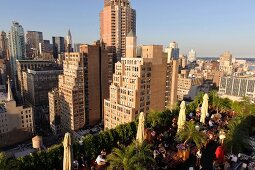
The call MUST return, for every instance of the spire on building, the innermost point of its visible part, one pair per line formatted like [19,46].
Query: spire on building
[69,33]
[69,37]
[69,46]
[9,92]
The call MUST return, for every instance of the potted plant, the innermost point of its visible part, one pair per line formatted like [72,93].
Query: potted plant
[189,134]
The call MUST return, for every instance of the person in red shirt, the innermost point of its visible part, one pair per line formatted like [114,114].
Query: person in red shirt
[219,153]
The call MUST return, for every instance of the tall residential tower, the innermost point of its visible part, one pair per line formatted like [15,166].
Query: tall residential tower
[138,84]
[117,19]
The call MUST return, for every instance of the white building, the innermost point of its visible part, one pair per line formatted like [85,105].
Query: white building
[226,63]
[172,52]
[192,56]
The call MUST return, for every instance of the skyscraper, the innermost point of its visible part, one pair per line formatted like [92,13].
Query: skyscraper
[68,40]
[172,74]
[16,46]
[117,19]
[33,39]
[3,45]
[58,46]
[192,56]
[71,93]
[138,84]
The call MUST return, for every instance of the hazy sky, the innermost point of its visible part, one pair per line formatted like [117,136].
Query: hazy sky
[208,26]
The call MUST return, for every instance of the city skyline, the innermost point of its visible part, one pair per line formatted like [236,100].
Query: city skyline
[210,28]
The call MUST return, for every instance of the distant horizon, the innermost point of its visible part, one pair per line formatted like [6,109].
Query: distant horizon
[210,28]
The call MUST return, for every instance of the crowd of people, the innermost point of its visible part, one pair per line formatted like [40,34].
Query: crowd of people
[165,146]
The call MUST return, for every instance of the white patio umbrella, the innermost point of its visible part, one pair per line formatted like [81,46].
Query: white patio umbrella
[204,109]
[140,129]
[68,152]
[182,116]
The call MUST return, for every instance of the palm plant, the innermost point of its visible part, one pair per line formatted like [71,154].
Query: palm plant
[244,107]
[190,133]
[131,157]
[199,99]
[3,161]
[214,100]
[143,159]
[121,158]
[219,104]
[239,129]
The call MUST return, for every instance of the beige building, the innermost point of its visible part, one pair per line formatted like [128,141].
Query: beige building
[71,93]
[82,88]
[54,111]
[138,84]
[183,61]
[117,19]
[213,75]
[226,64]
[16,121]
[186,85]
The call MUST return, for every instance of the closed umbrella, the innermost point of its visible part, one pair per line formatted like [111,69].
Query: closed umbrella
[182,116]
[140,129]
[204,109]
[68,152]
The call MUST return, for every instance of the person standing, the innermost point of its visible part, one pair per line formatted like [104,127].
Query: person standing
[198,155]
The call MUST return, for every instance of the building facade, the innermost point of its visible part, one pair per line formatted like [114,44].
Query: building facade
[38,82]
[117,19]
[237,87]
[17,50]
[137,84]
[16,121]
[76,48]
[172,53]
[33,40]
[226,64]
[3,45]
[23,65]
[187,86]
[192,56]
[82,87]
[54,111]
[58,46]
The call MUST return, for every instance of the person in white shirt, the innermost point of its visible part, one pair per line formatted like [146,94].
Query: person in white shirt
[210,123]
[199,155]
[100,161]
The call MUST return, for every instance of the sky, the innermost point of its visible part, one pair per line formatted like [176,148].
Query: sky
[208,26]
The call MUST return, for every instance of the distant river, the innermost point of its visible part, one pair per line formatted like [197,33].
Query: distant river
[251,67]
